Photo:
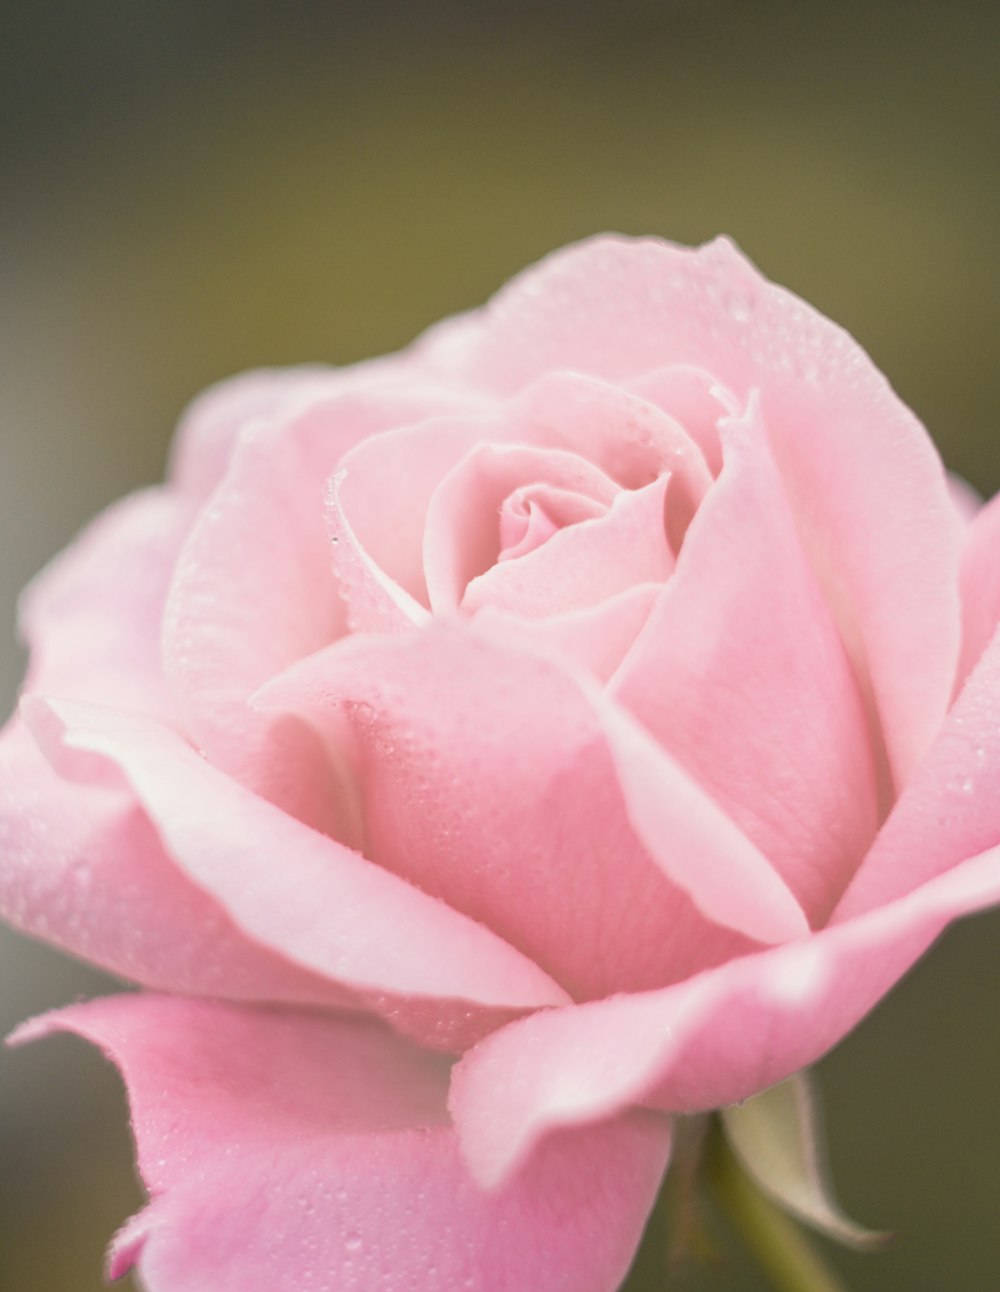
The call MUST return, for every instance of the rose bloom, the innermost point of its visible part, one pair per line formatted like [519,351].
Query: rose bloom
[481,754]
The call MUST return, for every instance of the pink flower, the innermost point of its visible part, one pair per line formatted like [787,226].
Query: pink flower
[483,753]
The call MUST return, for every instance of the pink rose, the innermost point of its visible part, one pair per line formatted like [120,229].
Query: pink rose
[602,693]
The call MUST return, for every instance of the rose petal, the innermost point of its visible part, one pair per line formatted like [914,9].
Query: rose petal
[967,500]
[682,827]
[695,399]
[629,437]
[81,867]
[253,590]
[380,503]
[462,530]
[713,1040]
[212,423]
[299,893]
[373,600]
[286,1151]
[485,774]
[373,395]
[257,586]
[949,808]
[594,638]
[740,673]
[530,516]
[382,492]
[92,617]
[980,585]
[866,485]
[583,564]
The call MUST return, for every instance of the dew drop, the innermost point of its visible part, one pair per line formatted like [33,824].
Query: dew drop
[740,306]
[362,712]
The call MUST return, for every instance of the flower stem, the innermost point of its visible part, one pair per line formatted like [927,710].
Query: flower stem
[777,1242]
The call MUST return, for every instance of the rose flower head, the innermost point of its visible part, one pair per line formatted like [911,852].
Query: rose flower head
[482,755]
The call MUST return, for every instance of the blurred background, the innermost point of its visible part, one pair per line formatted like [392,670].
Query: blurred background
[196,187]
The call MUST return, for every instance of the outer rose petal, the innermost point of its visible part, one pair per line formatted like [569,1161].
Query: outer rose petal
[252,591]
[695,843]
[713,1040]
[383,392]
[81,866]
[980,585]
[212,423]
[486,774]
[292,890]
[740,673]
[287,1151]
[866,484]
[966,500]
[948,810]
[92,617]
[255,586]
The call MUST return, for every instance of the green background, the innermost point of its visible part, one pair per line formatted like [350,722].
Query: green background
[193,188]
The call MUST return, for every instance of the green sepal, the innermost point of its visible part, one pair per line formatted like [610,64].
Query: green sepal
[776,1137]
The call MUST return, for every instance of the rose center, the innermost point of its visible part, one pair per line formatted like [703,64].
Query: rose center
[533,513]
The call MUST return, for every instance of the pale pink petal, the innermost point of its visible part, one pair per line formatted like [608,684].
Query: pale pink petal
[299,893]
[980,585]
[950,807]
[81,867]
[287,1151]
[694,843]
[371,396]
[212,423]
[383,490]
[583,564]
[485,775]
[253,590]
[741,675]
[373,601]
[530,516]
[713,1040]
[967,500]
[92,617]
[462,528]
[695,399]
[865,483]
[260,583]
[379,505]
[627,435]
[595,638]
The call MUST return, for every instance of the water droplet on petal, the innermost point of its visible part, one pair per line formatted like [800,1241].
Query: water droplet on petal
[740,305]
